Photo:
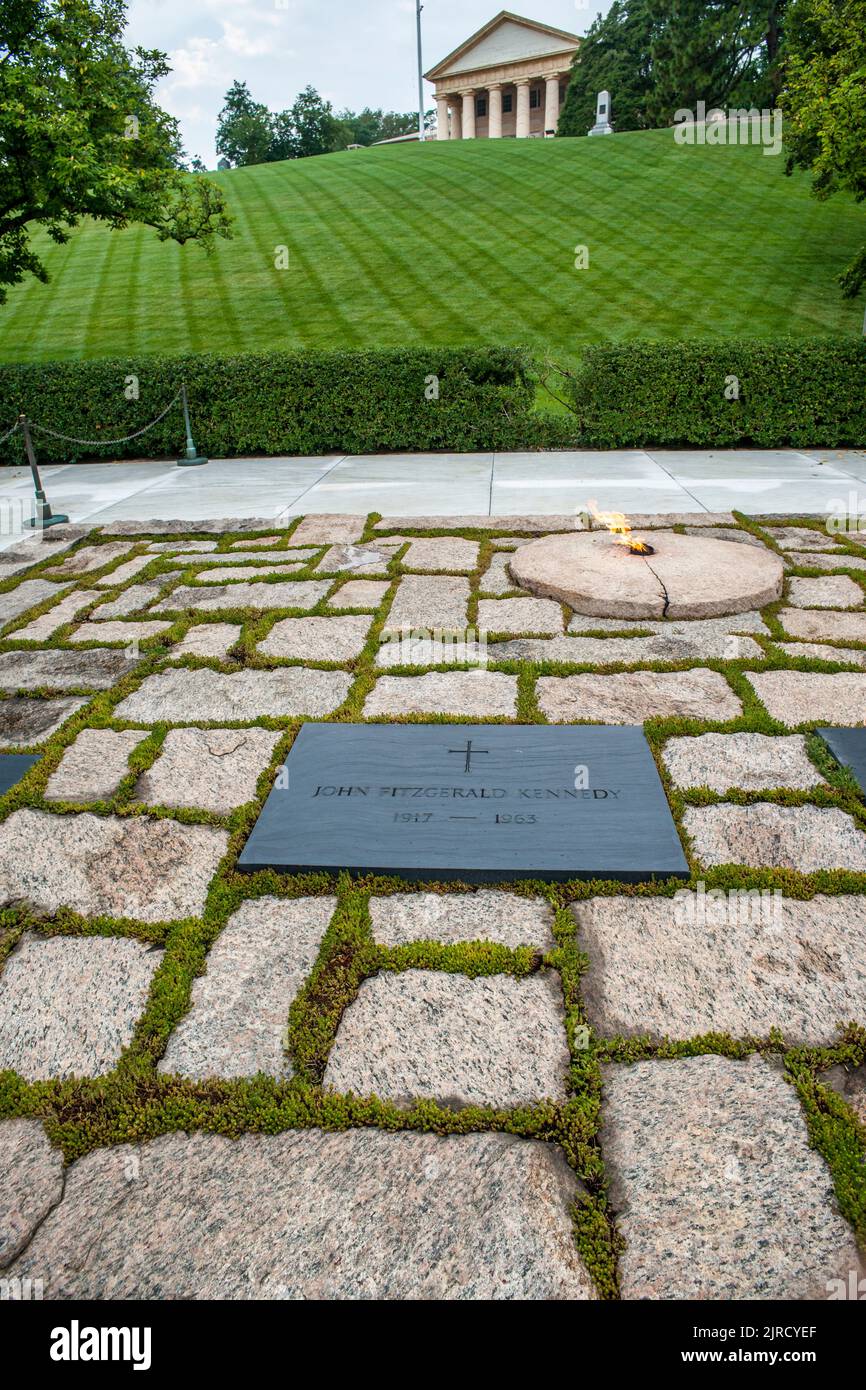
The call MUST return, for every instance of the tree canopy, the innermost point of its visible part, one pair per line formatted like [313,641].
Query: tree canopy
[824,103]
[81,135]
[659,56]
[249,133]
[615,57]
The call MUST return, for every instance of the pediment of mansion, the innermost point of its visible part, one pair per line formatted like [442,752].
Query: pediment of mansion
[507,80]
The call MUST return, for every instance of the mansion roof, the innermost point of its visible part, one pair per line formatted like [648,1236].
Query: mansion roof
[508,38]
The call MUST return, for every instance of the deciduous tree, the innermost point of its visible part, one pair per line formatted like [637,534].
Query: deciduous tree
[824,103]
[81,135]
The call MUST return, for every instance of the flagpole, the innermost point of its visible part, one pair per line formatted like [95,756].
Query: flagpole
[418,8]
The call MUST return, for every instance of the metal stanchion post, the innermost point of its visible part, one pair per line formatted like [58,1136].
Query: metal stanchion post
[192,458]
[44,515]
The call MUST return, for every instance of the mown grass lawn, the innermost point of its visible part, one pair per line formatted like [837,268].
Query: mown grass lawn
[470,242]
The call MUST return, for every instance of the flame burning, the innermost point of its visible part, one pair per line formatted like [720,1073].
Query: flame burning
[620,530]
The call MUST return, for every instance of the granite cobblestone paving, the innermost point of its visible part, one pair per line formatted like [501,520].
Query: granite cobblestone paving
[137,950]
[434,601]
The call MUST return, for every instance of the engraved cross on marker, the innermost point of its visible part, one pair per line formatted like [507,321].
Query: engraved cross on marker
[468,751]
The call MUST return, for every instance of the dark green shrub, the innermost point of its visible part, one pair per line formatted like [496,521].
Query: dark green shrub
[790,392]
[279,403]
[797,392]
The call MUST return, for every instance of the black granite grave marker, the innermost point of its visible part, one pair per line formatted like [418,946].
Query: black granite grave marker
[848,747]
[13,767]
[484,803]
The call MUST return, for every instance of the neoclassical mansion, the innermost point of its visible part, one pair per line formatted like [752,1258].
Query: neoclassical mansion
[508,79]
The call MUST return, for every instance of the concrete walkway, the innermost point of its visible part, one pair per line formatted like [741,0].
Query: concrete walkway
[759,482]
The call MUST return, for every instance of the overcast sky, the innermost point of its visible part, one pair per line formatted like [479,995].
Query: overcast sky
[356,53]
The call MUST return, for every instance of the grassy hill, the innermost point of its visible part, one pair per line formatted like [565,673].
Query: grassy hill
[470,242]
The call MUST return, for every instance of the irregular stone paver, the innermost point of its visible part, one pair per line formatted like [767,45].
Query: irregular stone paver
[632,697]
[480,694]
[24,722]
[751,761]
[183,547]
[56,669]
[548,522]
[123,573]
[690,629]
[488,915]
[241,572]
[359,559]
[135,598]
[311,1215]
[181,696]
[256,542]
[304,593]
[236,1025]
[157,526]
[68,1005]
[800,538]
[91,558]
[649,521]
[212,769]
[208,639]
[359,593]
[441,553]
[819,651]
[117,632]
[28,594]
[735,963]
[718,1194]
[93,767]
[152,870]
[724,533]
[403,649]
[832,591]
[296,558]
[35,550]
[493,1040]
[529,615]
[605,651]
[437,601]
[806,838]
[824,626]
[329,528]
[803,697]
[317,639]
[838,560]
[43,627]
[496,579]
[31,1183]
[560,521]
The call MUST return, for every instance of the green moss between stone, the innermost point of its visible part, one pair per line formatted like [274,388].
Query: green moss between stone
[134,1102]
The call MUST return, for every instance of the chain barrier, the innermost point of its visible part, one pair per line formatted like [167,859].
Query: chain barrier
[97,443]
[9,433]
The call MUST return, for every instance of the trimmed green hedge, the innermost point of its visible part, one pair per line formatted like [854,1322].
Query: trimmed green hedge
[629,395]
[280,403]
[806,393]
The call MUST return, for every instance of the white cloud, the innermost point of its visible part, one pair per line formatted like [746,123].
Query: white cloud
[356,52]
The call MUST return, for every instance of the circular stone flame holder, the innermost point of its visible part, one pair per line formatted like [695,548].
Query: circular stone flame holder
[685,577]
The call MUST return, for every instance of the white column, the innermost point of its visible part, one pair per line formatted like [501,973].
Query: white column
[469,115]
[456,119]
[551,103]
[494,112]
[523,108]
[442,120]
